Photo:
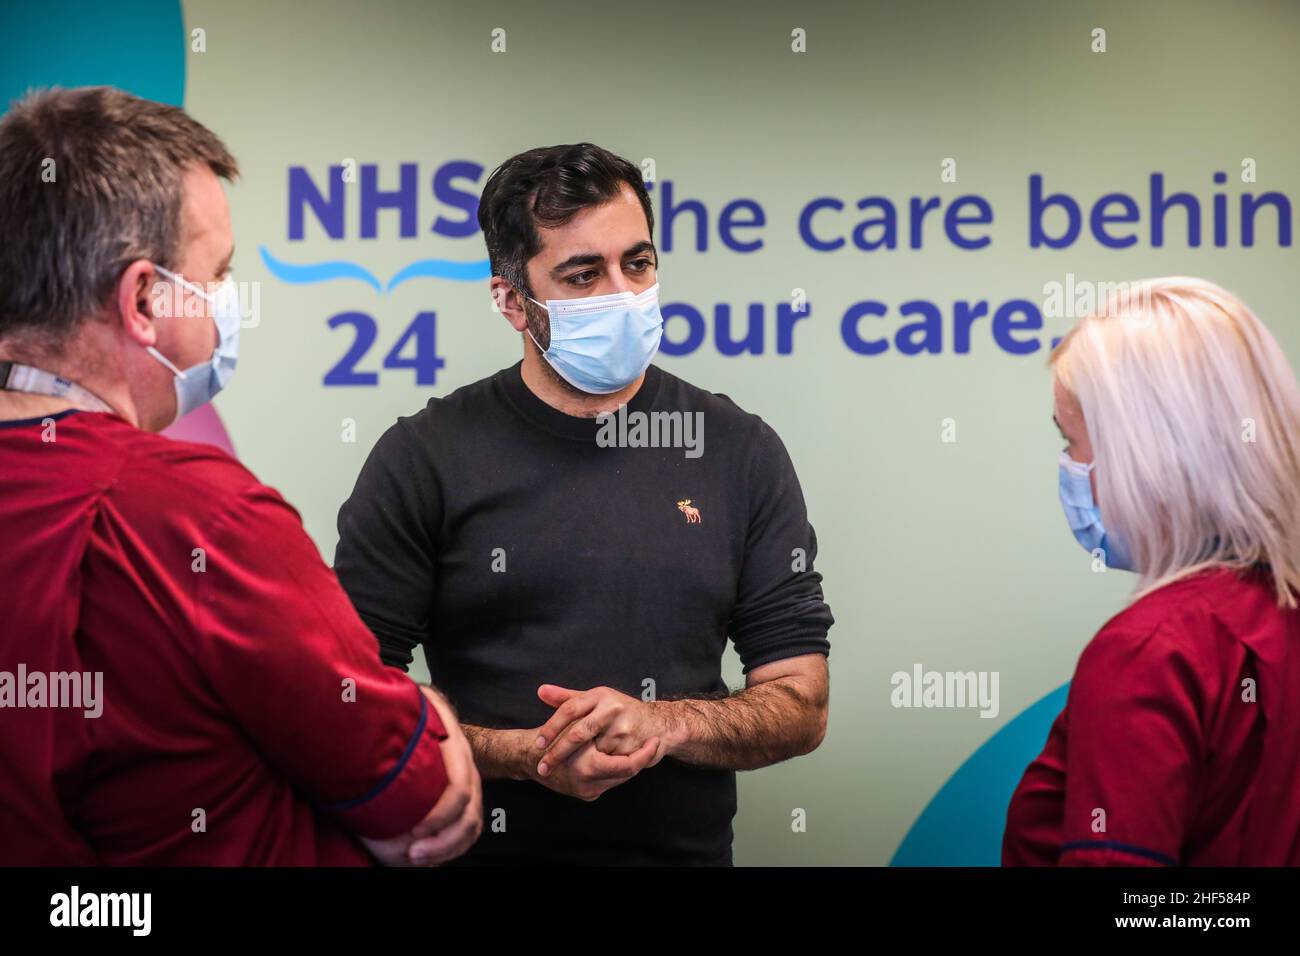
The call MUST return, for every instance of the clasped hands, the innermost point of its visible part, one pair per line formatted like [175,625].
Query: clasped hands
[595,740]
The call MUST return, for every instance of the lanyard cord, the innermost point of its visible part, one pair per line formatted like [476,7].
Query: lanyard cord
[26,378]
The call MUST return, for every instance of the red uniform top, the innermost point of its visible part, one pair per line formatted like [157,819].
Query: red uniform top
[245,715]
[1178,741]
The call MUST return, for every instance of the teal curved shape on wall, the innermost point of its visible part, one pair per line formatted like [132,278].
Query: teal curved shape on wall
[136,45]
[962,825]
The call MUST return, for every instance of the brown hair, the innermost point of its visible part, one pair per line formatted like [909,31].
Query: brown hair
[90,180]
[548,186]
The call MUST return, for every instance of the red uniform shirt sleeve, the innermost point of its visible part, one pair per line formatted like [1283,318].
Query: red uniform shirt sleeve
[1135,744]
[288,657]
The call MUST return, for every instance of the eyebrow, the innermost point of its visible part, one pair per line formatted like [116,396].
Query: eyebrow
[593,258]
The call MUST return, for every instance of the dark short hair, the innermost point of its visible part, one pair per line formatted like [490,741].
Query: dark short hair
[90,180]
[548,186]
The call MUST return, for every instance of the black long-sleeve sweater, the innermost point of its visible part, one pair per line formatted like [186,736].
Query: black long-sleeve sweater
[519,549]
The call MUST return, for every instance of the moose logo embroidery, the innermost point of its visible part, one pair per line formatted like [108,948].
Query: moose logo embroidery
[692,514]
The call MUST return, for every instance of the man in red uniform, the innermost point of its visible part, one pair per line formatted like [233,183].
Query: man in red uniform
[182,681]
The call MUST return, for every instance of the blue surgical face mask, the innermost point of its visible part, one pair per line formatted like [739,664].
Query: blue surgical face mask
[603,343]
[1085,517]
[198,384]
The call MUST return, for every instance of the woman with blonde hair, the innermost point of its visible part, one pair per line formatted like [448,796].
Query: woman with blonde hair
[1178,742]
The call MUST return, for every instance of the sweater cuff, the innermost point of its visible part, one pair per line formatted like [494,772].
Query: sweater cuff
[407,792]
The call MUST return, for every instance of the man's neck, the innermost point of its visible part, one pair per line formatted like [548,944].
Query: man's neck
[543,382]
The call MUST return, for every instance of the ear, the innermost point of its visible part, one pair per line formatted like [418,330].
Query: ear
[510,303]
[141,296]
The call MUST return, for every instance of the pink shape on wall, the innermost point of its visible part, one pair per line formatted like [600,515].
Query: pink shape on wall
[202,425]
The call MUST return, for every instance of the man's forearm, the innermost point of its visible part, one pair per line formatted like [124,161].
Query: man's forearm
[755,727]
[499,754]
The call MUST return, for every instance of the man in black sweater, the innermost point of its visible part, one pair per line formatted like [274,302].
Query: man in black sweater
[574,539]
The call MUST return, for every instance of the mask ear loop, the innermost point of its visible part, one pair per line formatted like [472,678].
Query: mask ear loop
[535,342]
[158,356]
[1077,467]
[165,361]
[194,287]
[530,331]
[202,293]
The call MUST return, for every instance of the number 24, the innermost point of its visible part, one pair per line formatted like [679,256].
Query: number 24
[426,361]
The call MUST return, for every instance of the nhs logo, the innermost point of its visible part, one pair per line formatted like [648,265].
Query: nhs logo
[354,201]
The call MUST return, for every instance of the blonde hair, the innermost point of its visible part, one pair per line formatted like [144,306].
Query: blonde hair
[1194,417]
